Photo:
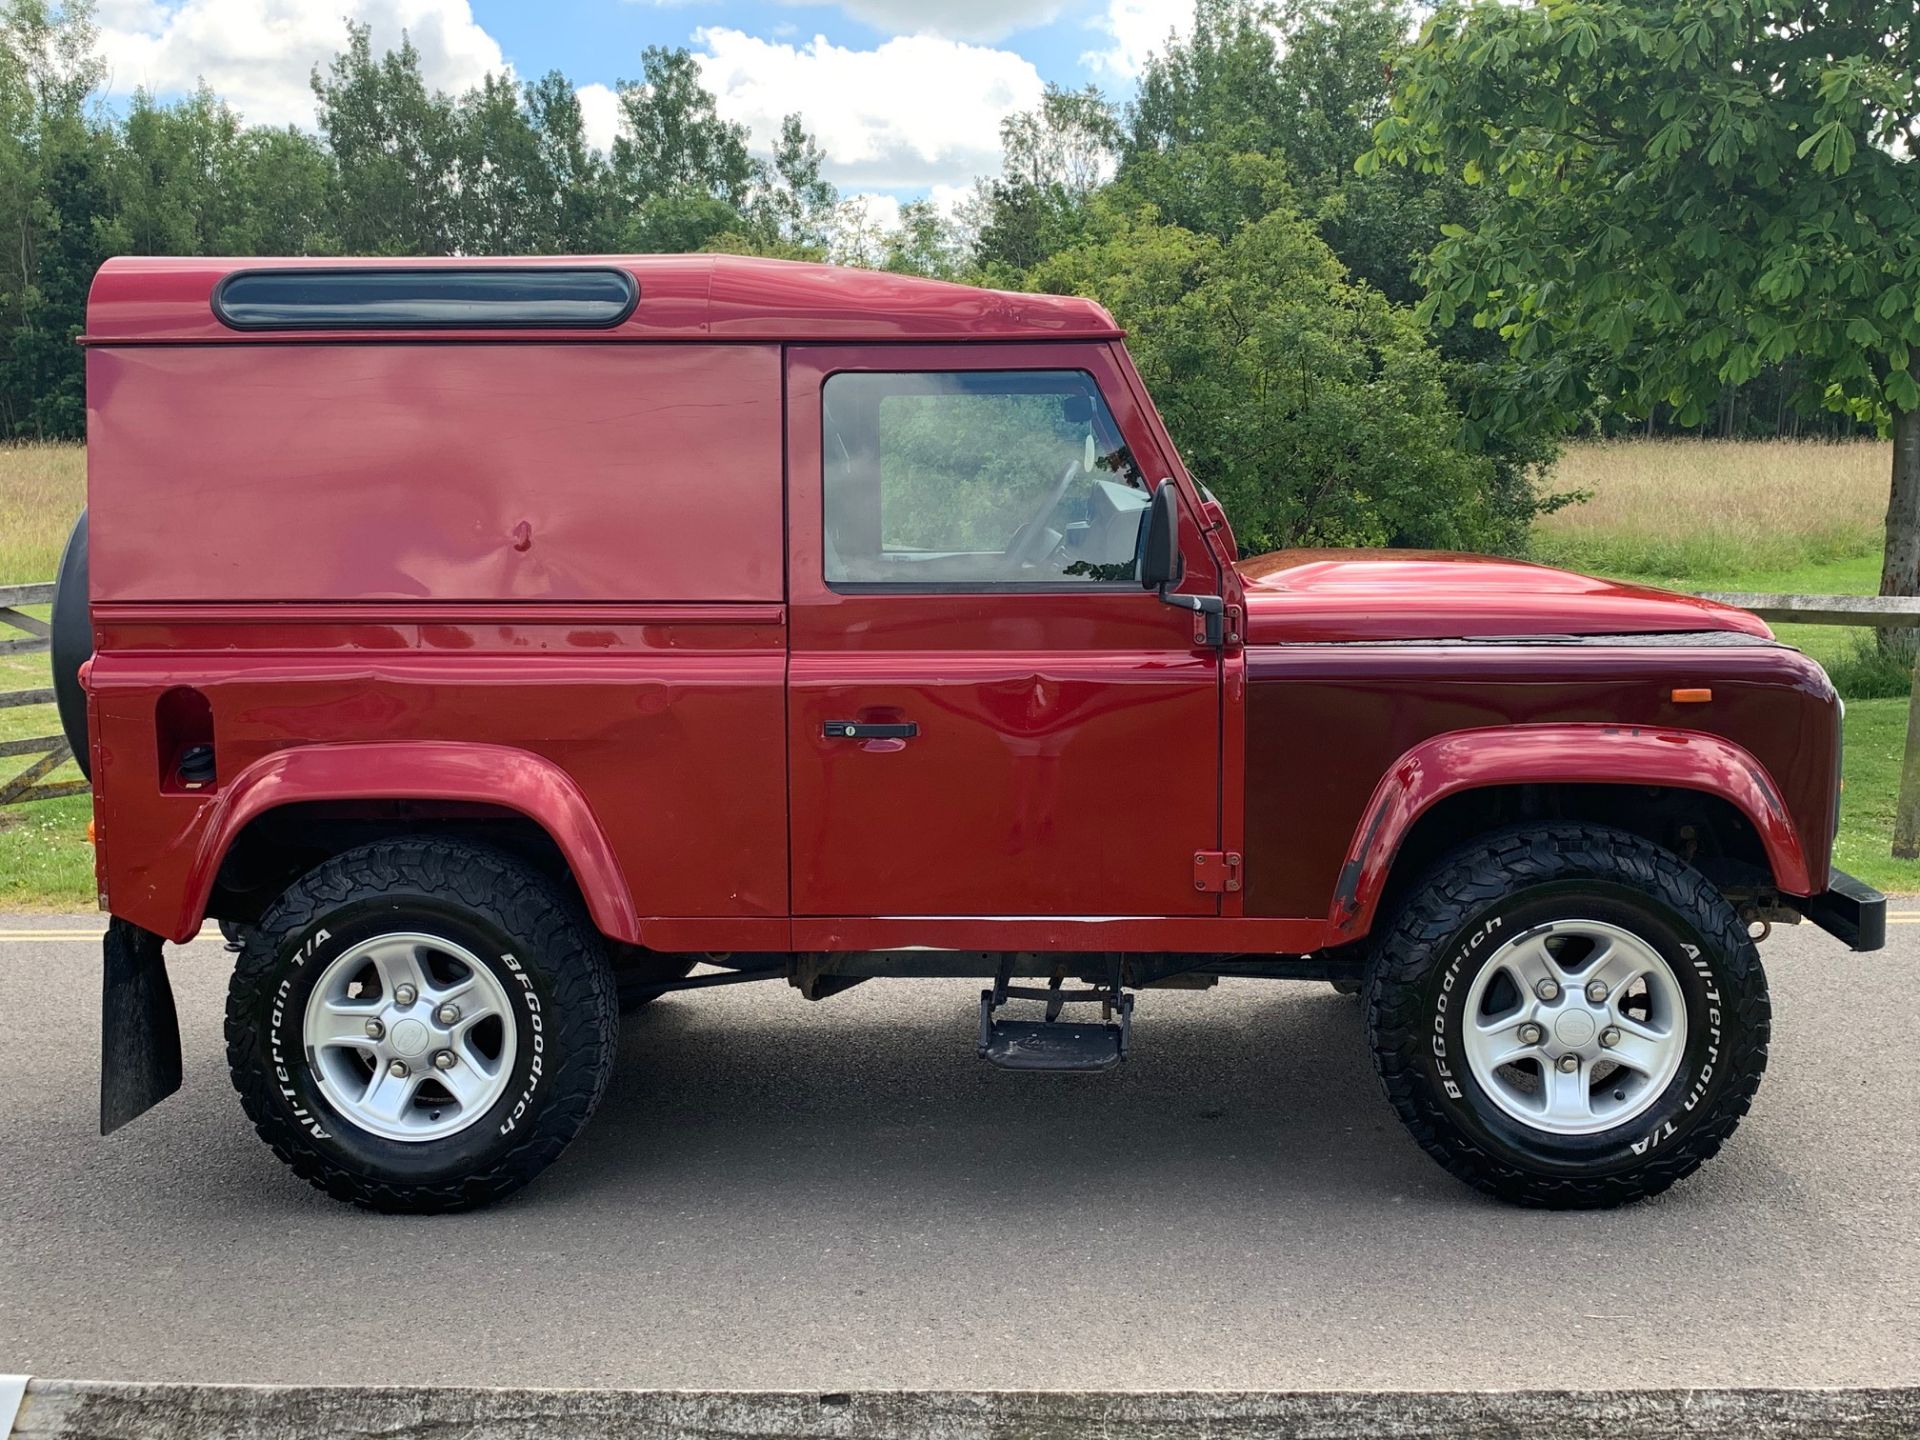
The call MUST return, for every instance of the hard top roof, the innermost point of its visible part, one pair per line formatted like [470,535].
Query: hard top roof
[161,299]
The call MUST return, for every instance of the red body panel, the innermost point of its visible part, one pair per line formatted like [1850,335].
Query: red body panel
[1333,727]
[146,300]
[1336,596]
[1068,761]
[1560,755]
[671,733]
[577,576]
[464,472]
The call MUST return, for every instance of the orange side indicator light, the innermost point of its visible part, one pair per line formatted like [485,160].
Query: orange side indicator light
[1692,697]
[92,837]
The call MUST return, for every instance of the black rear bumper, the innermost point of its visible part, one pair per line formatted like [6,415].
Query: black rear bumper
[1850,909]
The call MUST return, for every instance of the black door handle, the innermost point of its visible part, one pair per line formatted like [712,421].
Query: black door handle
[856,730]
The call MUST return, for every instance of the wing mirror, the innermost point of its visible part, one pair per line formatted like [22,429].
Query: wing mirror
[1157,562]
[1157,565]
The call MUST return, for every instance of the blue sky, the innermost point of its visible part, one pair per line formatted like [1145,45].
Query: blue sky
[905,96]
[587,37]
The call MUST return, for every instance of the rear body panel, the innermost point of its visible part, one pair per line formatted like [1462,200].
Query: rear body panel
[671,727]
[532,473]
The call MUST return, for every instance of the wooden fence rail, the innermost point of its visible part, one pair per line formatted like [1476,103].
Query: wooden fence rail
[1883,612]
[50,752]
[1880,611]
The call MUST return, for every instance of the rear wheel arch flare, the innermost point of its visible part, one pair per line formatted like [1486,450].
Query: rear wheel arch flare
[415,787]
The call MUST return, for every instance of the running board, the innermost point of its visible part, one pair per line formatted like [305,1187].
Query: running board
[1051,1043]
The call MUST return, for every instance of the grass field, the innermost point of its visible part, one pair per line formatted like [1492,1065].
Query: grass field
[1772,517]
[45,861]
[1691,515]
[1702,513]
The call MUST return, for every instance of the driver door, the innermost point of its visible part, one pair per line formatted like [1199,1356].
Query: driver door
[987,716]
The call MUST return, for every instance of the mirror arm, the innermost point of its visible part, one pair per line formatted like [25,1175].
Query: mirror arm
[1210,607]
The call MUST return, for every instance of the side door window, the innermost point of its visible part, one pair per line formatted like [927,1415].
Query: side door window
[975,480]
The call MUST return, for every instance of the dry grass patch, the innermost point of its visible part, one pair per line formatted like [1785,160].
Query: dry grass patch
[1701,510]
[42,489]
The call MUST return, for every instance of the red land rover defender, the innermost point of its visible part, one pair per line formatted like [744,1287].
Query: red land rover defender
[485,645]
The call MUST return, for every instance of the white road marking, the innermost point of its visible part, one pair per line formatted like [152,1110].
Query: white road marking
[48,936]
[13,1389]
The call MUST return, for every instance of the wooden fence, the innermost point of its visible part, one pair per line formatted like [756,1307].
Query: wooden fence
[1879,611]
[50,752]
[1882,612]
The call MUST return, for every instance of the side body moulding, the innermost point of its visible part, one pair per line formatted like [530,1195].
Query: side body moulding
[425,771]
[1582,754]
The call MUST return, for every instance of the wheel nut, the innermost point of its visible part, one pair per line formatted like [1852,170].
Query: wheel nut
[1609,1037]
[1569,1064]
[447,1014]
[1597,991]
[398,1069]
[375,1030]
[1547,990]
[1530,1034]
[443,1059]
[405,994]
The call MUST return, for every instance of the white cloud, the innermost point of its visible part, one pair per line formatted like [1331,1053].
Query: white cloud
[949,198]
[599,114]
[918,110]
[870,208]
[957,19]
[258,54]
[1136,29]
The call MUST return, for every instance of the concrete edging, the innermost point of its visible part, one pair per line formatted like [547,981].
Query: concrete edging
[107,1410]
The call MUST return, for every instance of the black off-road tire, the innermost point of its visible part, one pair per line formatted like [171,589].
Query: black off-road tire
[1479,899]
[525,929]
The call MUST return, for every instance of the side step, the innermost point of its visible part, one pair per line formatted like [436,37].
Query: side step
[1054,1044]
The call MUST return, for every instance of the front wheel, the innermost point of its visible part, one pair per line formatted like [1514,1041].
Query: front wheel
[1568,1016]
[421,1025]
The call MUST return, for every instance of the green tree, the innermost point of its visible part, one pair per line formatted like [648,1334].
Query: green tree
[1264,101]
[55,198]
[925,243]
[792,202]
[1054,157]
[284,185]
[497,198]
[572,178]
[174,176]
[1313,406]
[682,174]
[1678,193]
[394,145]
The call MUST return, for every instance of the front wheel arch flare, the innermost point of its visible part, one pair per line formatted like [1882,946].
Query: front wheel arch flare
[1558,755]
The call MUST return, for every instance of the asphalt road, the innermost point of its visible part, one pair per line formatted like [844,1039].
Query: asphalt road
[838,1195]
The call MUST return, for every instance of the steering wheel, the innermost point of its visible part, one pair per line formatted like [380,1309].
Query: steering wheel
[1028,539]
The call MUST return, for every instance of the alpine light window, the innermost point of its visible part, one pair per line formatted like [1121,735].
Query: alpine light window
[420,298]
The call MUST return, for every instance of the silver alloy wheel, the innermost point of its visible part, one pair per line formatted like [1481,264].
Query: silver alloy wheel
[415,1071]
[1571,1065]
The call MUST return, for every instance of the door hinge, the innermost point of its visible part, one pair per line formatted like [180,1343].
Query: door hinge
[1216,870]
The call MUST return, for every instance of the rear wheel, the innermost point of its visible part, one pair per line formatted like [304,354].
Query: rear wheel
[421,1025]
[1568,1016]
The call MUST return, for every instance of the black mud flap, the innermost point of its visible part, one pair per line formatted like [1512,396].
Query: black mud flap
[139,1028]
